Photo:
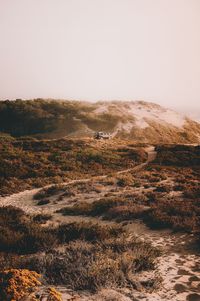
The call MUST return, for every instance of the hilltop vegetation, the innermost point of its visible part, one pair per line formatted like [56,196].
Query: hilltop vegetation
[141,121]
[56,118]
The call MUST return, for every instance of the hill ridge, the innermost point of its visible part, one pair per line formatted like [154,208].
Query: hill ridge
[139,120]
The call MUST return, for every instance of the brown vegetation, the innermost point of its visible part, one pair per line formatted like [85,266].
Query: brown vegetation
[22,234]
[80,255]
[178,155]
[126,212]
[172,201]
[82,265]
[96,208]
[26,163]
[178,214]
[16,284]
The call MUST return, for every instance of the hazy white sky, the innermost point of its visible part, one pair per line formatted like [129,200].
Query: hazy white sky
[101,49]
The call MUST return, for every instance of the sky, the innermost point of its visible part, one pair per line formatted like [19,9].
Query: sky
[101,50]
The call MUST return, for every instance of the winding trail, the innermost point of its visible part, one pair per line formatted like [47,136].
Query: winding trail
[178,266]
[24,199]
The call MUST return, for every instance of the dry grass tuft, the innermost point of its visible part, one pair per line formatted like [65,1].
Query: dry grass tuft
[84,265]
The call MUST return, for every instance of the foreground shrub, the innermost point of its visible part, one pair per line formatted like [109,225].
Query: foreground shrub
[15,284]
[87,266]
[79,255]
[54,295]
[24,235]
[23,284]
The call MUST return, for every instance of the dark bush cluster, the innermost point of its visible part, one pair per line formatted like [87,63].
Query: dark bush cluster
[23,234]
[117,208]
[178,155]
[97,208]
[87,231]
[19,233]
[126,212]
[175,213]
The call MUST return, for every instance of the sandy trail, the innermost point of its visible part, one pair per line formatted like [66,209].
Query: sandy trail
[24,199]
[179,266]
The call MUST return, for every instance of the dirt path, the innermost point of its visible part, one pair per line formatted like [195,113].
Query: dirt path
[24,199]
[179,266]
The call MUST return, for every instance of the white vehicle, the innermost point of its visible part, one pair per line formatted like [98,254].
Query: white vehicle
[102,135]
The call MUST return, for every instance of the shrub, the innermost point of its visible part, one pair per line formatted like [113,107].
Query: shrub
[178,214]
[27,163]
[125,180]
[21,234]
[42,218]
[179,187]
[43,202]
[96,208]
[163,188]
[178,155]
[54,295]
[47,192]
[23,284]
[86,266]
[87,231]
[82,208]
[18,284]
[192,192]
[92,255]
[103,206]
[125,212]
[28,236]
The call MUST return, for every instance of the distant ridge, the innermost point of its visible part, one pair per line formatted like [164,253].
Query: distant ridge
[138,120]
